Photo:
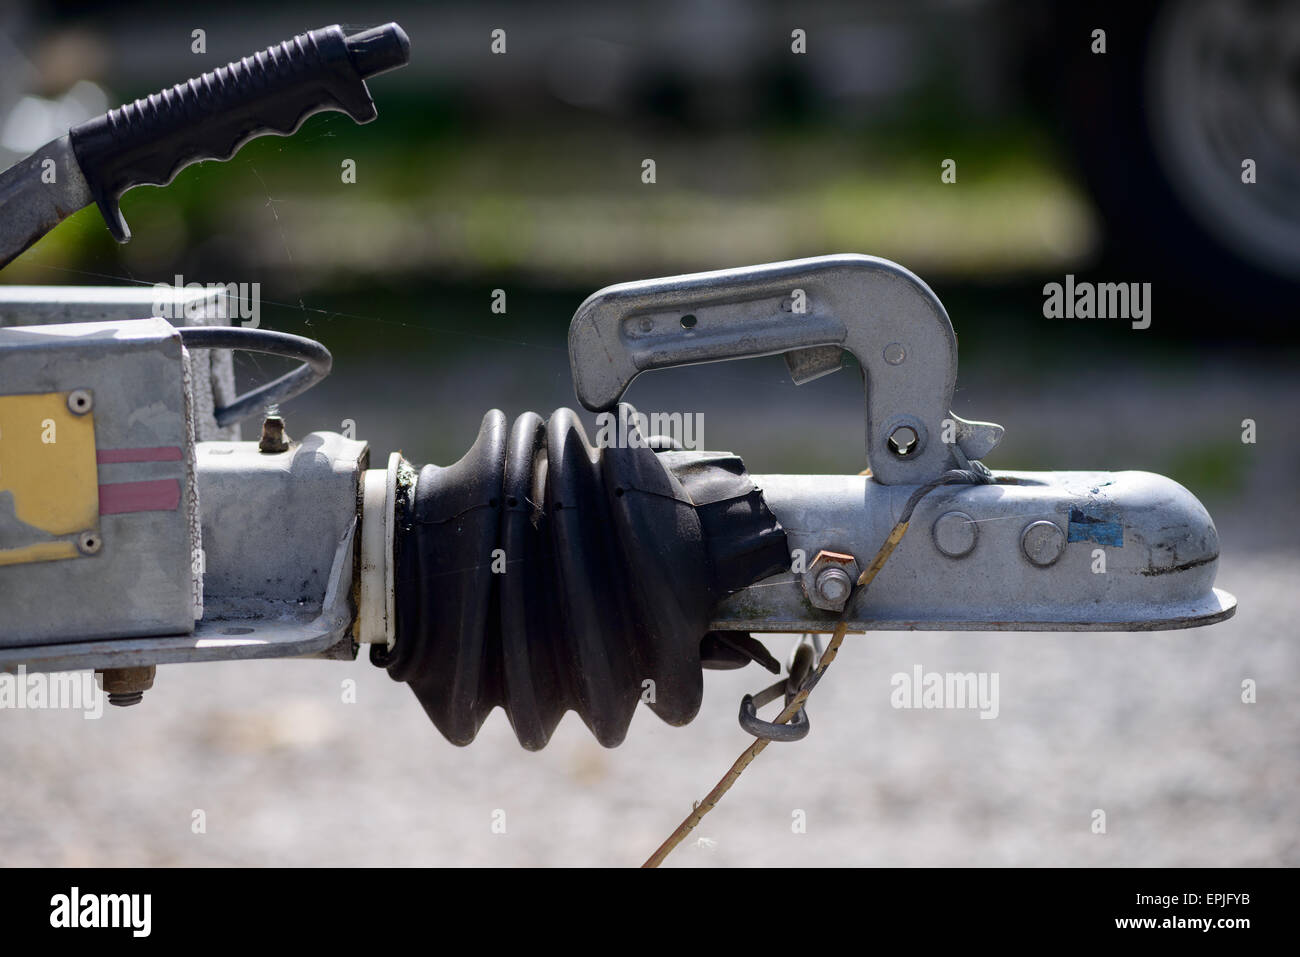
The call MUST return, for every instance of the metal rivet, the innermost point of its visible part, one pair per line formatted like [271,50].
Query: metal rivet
[89,543]
[955,534]
[895,353]
[647,324]
[80,401]
[1042,542]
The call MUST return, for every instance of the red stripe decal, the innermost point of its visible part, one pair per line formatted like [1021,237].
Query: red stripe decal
[163,453]
[163,495]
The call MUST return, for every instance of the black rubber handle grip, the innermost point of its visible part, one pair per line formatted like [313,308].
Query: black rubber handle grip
[212,116]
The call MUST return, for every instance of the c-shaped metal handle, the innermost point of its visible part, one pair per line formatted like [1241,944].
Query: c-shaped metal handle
[810,310]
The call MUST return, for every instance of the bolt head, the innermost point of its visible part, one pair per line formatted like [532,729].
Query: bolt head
[1043,543]
[828,580]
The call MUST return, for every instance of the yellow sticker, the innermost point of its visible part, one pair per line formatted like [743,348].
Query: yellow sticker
[49,481]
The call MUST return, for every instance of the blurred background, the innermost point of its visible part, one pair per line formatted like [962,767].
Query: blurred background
[522,171]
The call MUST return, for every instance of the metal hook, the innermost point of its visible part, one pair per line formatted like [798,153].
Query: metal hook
[802,663]
[795,730]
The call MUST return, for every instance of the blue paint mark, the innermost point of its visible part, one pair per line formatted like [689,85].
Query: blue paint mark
[1094,528]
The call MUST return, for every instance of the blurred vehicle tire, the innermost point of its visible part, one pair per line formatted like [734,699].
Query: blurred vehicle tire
[1161,124]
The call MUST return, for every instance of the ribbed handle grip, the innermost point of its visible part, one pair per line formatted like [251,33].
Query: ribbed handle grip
[212,116]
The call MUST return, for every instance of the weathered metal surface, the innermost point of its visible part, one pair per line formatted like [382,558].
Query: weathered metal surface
[305,633]
[278,553]
[213,376]
[135,575]
[1162,576]
[272,523]
[881,313]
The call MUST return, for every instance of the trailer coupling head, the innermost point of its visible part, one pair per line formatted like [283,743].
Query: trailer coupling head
[544,572]
[541,574]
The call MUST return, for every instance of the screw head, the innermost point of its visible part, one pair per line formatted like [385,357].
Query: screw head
[1042,542]
[955,534]
[80,401]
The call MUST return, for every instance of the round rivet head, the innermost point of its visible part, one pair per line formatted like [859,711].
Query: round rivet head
[80,401]
[895,353]
[955,534]
[1042,542]
[89,543]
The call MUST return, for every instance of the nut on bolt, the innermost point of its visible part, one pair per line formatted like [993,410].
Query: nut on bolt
[274,437]
[828,580]
[126,686]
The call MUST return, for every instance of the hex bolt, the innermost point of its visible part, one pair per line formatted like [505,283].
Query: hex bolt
[833,585]
[1042,542]
[955,534]
[80,401]
[274,437]
[126,686]
[828,581]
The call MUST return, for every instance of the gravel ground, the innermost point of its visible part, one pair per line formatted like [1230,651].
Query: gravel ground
[1149,728]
